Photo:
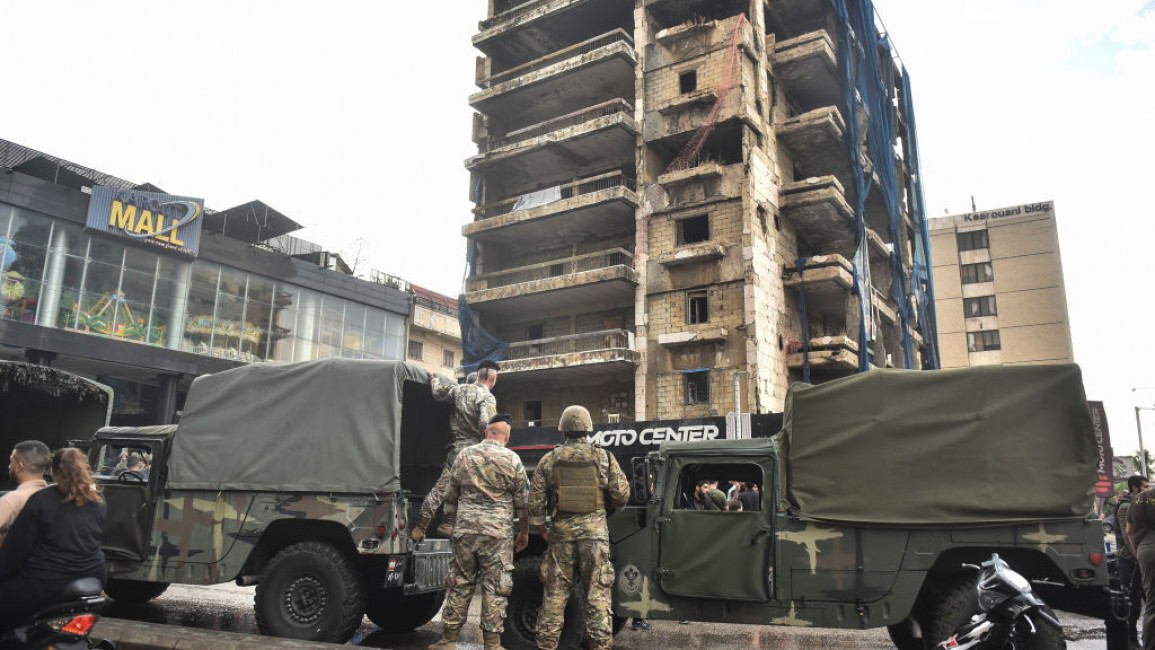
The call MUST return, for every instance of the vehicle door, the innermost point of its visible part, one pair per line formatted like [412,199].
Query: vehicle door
[123,469]
[706,553]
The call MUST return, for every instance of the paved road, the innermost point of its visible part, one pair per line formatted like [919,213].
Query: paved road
[229,608]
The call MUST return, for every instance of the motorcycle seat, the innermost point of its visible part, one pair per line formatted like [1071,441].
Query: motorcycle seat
[82,588]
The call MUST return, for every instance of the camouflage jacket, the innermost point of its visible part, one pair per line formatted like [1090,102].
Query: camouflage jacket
[543,494]
[489,486]
[473,406]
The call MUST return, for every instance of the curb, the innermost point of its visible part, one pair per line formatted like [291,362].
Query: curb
[134,635]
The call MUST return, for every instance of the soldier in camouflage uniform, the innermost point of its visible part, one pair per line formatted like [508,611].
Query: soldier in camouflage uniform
[574,484]
[489,487]
[473,407]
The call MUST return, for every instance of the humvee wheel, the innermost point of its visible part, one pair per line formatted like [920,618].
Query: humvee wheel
[133,592]
[903,639]
[310,591]
[619,623]
[392,610]
[524,601]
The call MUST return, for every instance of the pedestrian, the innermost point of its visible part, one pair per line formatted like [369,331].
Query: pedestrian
[54,540]
[473,407]
[1125,555]
[489,487]
[575,484]
[1140,521]
[751,500]
[707,496]
[26,467]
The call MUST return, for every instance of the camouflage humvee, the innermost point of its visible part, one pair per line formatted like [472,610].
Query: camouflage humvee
[298,478]
[871,497]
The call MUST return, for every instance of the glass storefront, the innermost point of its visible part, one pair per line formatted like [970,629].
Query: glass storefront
[53,274]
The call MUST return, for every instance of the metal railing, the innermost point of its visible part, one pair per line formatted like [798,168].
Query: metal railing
[611,107]
[618,35]
[572,343]
[582,186]
[552,269]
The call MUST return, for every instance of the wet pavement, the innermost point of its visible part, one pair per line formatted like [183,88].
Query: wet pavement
[229,608]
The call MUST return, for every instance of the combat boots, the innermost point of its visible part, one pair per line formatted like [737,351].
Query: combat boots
[448,639]
[448,521]
[492,640]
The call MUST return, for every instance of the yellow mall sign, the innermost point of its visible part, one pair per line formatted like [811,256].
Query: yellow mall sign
[164,220]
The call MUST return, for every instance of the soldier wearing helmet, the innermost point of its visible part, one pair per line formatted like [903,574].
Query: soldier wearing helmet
[574,484]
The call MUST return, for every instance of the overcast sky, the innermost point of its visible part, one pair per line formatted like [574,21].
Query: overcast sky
[351,118]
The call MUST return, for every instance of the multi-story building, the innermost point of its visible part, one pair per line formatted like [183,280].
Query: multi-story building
[99,279]
[999,287]
[434,333]
[677,195]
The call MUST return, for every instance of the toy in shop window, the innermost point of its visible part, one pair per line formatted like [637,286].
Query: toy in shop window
[231,339]
[112,315]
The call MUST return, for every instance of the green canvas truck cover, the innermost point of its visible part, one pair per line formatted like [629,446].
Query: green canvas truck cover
[317,426]
[973,445]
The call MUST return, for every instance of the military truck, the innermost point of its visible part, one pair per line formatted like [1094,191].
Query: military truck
[874,493]
[300,479]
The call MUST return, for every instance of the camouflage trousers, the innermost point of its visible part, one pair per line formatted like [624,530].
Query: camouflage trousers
[484,558]
[589,561]
[437,494]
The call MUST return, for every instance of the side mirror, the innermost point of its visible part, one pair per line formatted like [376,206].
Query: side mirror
[640,479]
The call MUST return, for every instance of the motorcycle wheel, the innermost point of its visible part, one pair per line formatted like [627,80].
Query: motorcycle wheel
[1046,636]
[955,605]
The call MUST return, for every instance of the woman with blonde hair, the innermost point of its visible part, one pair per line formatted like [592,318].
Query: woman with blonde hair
[54,540]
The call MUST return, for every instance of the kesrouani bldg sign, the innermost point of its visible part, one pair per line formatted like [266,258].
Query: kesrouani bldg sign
[162,220]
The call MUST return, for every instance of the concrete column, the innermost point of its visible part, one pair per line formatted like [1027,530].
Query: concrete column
[308,313]
[166,396]
[178,308]
[53,280]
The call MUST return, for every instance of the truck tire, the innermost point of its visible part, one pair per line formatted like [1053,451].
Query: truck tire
[310,591]
[902,638]
[393,611]
[133,592]
[958,603]
[524,601]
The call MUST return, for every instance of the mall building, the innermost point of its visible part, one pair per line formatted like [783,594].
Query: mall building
[143,290]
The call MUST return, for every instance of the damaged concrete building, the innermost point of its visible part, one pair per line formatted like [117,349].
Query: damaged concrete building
[684,203]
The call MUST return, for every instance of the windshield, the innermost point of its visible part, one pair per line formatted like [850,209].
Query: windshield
[114,459]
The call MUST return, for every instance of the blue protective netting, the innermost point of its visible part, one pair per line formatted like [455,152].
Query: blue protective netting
[867,66]
[477,345]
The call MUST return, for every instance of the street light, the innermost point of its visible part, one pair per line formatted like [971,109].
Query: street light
[1139,427]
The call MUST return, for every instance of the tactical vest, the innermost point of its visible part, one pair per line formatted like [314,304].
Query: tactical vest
[579,490]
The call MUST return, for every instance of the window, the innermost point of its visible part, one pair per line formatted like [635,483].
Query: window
[982,306]
[732,479]
[693,230]
[535,332]
[697,386]
[983,340]
[973,240]
[697,307]
[447,358]
[688,81]
[416,350]
[981,272]
[532,413]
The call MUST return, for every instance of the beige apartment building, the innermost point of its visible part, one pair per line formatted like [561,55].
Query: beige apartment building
[999,287]
[434,340]
[676,195]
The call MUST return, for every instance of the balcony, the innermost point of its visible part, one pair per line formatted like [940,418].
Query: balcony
[574,356]
[828,281]
[818,209]
[807,66]
[583,142]
[789,18]
[831,356]
[533,29]
[585,74]
[588,207]
[708,181]
[593,281]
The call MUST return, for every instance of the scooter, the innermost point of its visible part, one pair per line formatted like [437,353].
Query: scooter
[64,626]
[1011,615]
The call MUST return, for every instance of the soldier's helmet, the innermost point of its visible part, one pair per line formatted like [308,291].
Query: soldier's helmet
[575,418]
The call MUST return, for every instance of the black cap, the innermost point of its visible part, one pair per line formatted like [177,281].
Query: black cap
[502,417]
[492,365]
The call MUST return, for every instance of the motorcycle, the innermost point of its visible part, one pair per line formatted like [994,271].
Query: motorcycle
[1011,617]
[64,626]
